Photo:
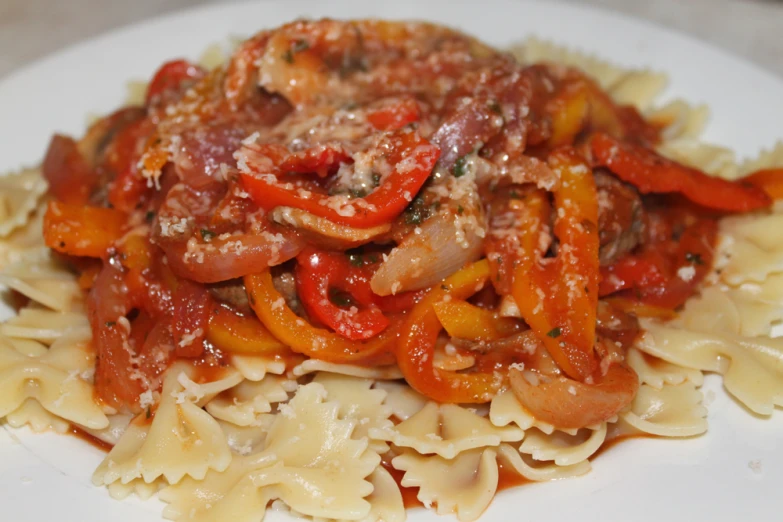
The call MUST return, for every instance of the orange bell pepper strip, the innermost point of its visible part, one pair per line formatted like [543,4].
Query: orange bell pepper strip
[415,352]
[466,321]
[242,335]
[638,309]
[769,180]
[569,111]
[558,298]
[79,230]
[412,159]
[304,338]
[652,173]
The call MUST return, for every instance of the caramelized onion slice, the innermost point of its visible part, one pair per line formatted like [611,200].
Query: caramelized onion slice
[236,256]
[569,404]
[326,233]
[428,255]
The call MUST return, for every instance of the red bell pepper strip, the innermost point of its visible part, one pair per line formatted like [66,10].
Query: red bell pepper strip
[395,115]
[412,159]
[664,274]
[652,173]
[331,283]
[170,77]
[324,281]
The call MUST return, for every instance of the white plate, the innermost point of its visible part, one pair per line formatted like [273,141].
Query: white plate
[46,477]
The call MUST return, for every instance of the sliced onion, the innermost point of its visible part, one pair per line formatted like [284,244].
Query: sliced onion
[326,233]
[222,259]
[570,404]
[427,256]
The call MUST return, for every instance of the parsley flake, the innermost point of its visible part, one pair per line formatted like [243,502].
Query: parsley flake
[207,234]
[694,258]
[460,167]
[554,333]
[297,47]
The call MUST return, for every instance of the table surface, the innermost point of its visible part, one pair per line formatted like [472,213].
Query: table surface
[30,29]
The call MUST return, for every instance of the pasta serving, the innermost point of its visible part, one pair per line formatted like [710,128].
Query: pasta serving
[363,258]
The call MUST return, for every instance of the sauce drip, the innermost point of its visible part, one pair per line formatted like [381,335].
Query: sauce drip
[508,478]
[614,441]
[93,441]
[409,495]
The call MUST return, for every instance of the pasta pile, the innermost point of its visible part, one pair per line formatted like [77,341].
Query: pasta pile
[325,440]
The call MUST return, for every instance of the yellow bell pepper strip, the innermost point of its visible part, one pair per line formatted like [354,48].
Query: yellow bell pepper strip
[242,335]
[638,309]
[558,297]
[466,321]
[415,352]
[569,111]
[304,338]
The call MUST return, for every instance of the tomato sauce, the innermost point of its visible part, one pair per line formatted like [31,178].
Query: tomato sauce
[409,495]
[92,440]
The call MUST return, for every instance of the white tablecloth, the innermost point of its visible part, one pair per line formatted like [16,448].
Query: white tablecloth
[30,29]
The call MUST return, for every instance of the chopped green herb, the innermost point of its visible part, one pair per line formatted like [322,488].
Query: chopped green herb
[149,412]
[694,258]
[445,287]
[376,179]
[297,47]
[300,45]
[513,194]
[361,259]
[494,106]
[339,298]
[357,193]
[110,324]
[206,234]
[150,216]
[460,167]
[554,333]
[460,209]
[417,211]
